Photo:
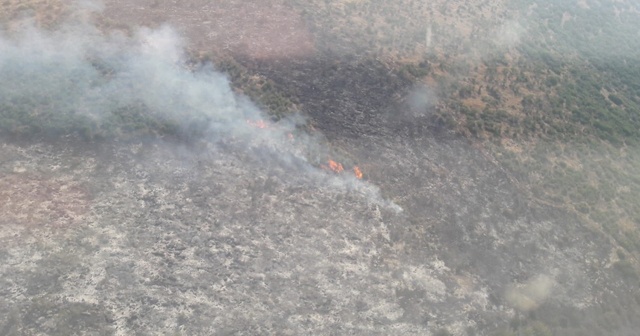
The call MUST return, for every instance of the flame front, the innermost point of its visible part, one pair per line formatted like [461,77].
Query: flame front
[333,166]
[336,166]
[357,172]
[258,123]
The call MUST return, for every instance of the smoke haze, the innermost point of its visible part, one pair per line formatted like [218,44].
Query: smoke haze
[77,72]
[80,78]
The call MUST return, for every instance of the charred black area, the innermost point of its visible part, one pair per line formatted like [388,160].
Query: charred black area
[345,96]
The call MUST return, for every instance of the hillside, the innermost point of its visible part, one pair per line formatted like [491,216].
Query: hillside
[320,167]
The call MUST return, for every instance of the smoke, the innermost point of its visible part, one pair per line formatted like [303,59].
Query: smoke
[420,100]
[80,77]
[509,34]
[77,72]
[530,295]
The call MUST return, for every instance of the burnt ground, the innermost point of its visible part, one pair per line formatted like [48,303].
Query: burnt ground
[146,236]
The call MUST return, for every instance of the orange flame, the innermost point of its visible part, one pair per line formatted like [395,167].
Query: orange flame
[258,123]
[336,166]
[358,172]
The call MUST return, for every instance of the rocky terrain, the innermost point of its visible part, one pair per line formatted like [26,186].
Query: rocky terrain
[226,220]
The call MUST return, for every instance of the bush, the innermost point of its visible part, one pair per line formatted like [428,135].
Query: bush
[615,99]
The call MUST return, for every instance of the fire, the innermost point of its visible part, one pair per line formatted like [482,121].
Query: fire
[333,166]
[358,172]
[336,166]
[258,123]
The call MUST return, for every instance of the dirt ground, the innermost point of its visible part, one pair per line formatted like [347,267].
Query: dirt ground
[257,29]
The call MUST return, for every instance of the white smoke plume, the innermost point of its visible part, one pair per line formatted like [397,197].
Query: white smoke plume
[509,34]
[530,295]
[79,74]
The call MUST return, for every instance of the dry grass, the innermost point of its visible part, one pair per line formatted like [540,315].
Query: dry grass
[45,13]
[27,199]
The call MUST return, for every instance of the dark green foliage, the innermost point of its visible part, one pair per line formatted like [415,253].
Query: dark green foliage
[417,70]
[615,99]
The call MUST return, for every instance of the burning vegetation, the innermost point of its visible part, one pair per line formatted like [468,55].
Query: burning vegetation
[258,123]
[357,172]
[338,168]
[332,165]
